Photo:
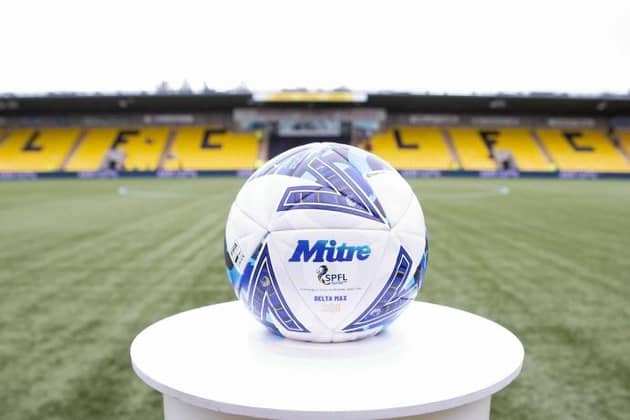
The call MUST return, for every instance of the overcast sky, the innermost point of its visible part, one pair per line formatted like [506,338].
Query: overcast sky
[432,45]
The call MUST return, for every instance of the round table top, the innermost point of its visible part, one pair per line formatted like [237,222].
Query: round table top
[431,359]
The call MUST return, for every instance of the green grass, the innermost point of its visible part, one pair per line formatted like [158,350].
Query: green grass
[83,270]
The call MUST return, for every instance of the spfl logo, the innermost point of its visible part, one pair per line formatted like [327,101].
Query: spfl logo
[329,279]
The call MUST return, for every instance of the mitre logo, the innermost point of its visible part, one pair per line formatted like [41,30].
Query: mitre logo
[325,250]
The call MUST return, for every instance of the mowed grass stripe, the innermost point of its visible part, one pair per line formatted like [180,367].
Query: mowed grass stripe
[548,242]
[103,204]
[47,290]
[565,356]
[149,301]
[96,249]
[109,236]
[115,353]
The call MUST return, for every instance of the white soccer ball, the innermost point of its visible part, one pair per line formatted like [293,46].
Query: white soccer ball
[327,243]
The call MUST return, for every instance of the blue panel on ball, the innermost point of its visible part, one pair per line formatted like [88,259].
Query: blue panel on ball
[265,298]
[339,170]
[341,188]
[422,267]
[392,298]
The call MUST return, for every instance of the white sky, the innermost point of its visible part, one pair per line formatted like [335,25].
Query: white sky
[432,45]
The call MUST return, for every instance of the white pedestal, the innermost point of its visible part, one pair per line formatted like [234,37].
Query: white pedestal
[434,362]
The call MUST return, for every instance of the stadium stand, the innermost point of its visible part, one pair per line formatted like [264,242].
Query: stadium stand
[583,150]
[41,150]
[458,135]
[413,148]
[142,146]
[211,148]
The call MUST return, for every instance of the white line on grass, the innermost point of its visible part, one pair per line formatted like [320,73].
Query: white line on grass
[462,195]
[124,191]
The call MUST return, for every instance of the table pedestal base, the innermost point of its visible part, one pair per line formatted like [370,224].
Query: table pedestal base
[455,359]
[175,409]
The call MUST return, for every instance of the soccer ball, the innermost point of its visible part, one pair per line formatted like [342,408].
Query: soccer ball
[327,243]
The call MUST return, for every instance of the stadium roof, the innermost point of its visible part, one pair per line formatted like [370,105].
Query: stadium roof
[606,106]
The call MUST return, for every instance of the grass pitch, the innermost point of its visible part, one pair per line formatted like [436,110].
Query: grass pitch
[85,265]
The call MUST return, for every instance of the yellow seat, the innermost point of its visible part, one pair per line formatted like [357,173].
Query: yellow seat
[143,148]
[525,151]
[36,150]
[408,148]
[471,149]
[211,148]
[583,150]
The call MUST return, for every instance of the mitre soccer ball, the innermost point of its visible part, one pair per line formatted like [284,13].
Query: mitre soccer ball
[326,243]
